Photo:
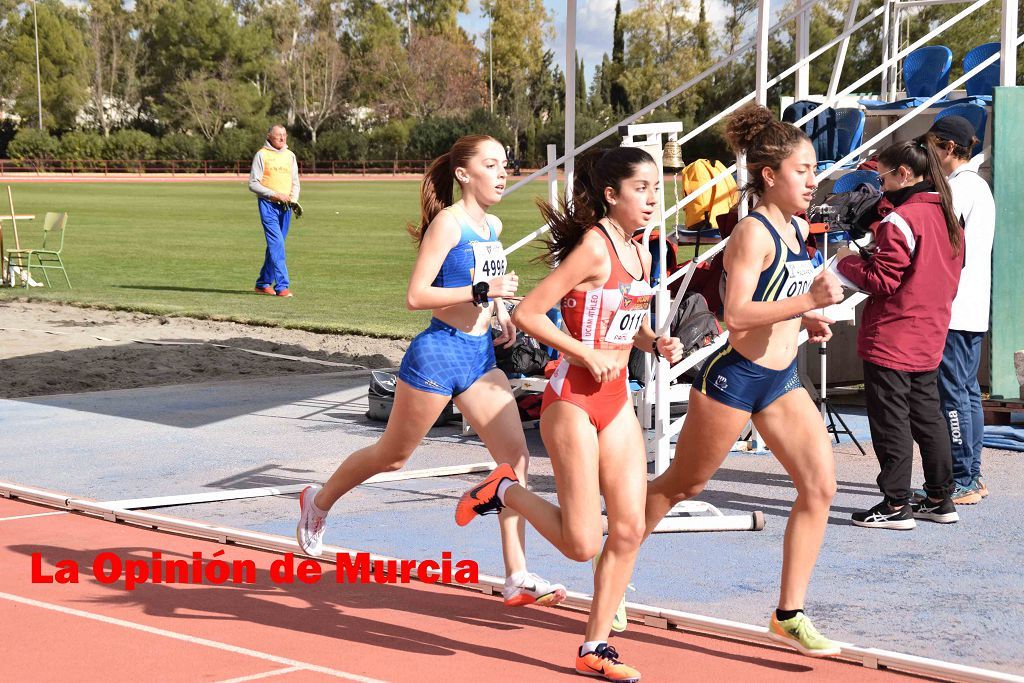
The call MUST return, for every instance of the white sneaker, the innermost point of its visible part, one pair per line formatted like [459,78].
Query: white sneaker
[312,522]
[525,588]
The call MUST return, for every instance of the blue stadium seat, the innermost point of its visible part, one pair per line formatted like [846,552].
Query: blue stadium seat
[852,179]
[925,72]
[834,133]
[981,86]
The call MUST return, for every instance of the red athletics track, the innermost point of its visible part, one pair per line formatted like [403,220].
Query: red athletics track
[297,632]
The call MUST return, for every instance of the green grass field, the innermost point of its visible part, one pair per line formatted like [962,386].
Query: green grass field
[194,249]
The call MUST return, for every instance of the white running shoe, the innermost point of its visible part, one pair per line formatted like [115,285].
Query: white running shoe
[312,522]
[525,588]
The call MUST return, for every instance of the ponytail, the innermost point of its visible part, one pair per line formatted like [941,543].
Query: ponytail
[938,178]
[436,192]
[596,169]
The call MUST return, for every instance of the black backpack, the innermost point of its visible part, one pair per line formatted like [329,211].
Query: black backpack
[853,211]
[524,357]
[694,325]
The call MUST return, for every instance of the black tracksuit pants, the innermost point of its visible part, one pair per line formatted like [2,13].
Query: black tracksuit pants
[903,407]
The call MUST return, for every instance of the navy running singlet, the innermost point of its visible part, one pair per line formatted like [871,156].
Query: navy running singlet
[789,274]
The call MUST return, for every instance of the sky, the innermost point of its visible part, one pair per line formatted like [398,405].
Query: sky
[594,19]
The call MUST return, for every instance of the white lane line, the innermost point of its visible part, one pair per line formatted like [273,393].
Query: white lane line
[305,666]
[265,674]
[38,514]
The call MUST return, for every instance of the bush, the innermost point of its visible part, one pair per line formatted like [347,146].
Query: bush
[32,143]
[432,137]
[236,144]
[180,147]
[341,144]
[129,144]
[389,141]
[81,145]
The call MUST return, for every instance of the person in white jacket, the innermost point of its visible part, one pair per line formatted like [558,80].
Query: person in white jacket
[959,392]
[275,181]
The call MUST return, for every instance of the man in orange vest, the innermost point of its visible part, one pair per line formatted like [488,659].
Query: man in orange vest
[275,181]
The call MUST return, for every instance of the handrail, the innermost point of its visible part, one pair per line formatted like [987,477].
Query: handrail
[660,101]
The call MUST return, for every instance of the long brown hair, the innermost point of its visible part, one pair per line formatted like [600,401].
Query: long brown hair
[437,191]
[596,169]
[767,142]
[921,157]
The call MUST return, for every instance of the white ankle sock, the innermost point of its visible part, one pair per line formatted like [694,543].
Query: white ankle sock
[502,487]
[590,646]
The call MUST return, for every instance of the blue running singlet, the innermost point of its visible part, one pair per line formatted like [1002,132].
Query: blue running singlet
[475,258]
[442,359]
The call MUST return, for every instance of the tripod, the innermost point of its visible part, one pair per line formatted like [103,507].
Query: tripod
[828,413]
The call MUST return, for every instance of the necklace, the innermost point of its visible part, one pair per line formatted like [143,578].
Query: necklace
[477,223]
[619,230]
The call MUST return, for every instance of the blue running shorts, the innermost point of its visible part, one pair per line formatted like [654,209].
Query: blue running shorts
[444,360]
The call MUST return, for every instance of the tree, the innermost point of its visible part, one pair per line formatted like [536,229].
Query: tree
[521,79]
[62,64]
[314,79]
[208,101]
[440,75]
[617,95]
[113,60]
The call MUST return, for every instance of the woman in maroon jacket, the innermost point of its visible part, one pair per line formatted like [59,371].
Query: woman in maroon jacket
[912,275]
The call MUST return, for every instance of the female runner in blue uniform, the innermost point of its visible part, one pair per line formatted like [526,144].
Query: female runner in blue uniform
[771,290]
[459,275]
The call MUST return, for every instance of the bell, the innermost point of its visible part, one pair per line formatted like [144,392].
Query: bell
[672,156]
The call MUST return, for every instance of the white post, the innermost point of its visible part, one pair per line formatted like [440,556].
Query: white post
[1008,43]
[39,80]
[570,96]
[837,67]
[552,175]
[883,90]
[894,49]
[490,63]
[803,46]
[761,87]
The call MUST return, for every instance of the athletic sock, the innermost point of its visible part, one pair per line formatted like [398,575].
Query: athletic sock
[784,614]
[502,487]
[516,578]
[590,646]
[316,508]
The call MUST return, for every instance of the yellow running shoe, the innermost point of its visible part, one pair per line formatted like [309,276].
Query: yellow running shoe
[799,633]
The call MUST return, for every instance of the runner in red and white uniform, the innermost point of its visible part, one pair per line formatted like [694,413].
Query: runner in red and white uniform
[588,423]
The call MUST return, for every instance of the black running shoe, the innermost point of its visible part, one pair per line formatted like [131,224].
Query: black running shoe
[943,512]
[883,517]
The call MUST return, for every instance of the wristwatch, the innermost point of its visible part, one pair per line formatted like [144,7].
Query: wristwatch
[480,291]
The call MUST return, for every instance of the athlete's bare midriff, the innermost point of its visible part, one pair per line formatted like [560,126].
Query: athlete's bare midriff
[772,346]
[466,317]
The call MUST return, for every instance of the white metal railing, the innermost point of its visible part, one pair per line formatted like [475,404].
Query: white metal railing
[892,57]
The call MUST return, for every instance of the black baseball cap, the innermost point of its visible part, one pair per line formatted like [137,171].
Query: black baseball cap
[954,128]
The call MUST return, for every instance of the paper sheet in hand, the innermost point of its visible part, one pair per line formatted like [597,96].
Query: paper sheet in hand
[840,311]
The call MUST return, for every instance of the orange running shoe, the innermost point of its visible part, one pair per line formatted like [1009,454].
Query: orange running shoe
[604,663]
[483,498]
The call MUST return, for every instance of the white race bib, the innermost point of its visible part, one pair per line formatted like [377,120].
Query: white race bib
[799,275]
[630,315]
[488,261]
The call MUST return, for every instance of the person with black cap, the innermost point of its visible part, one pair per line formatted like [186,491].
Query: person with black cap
[960,395]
